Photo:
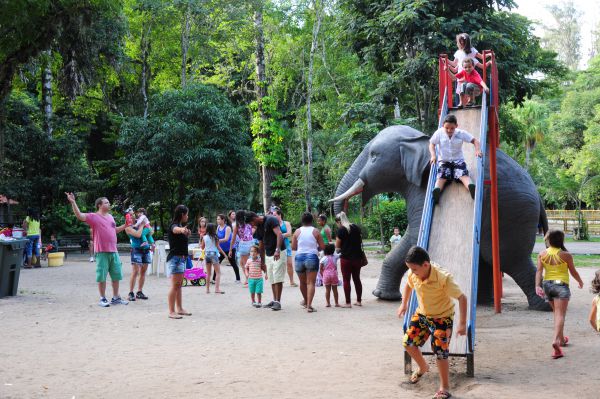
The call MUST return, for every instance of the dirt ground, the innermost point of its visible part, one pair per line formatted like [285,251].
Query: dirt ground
[57,343]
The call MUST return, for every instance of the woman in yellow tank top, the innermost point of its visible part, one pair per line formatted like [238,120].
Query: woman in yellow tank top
[554,264]
[595,311]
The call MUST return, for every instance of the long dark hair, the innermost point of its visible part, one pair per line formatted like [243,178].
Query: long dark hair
[240,218]
[464,37]
[556,239]
[225,219]
[178,213]
[596,283]
[211,231]
[33,214]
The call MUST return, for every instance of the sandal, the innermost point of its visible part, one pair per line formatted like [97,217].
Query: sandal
[175,316]
[565,341]
[416,376]
[184,313]
[219,292]
[557,352]
[310,309]
[441,394]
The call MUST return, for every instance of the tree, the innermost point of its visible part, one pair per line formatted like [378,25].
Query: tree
[193,148]
[533,118]
[565,37]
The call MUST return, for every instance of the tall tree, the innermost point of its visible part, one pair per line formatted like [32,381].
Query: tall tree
[47,91]
[565,36]
[533,118]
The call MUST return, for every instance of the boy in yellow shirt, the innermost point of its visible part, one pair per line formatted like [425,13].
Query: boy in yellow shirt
[435,289]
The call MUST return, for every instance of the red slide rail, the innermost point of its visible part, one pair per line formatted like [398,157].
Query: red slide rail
[491,78]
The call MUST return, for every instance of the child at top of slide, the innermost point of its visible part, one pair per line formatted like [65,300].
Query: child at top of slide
[469,84]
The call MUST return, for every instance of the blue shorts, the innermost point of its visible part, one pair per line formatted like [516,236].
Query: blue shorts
[244,248]
[306,263]
[176,265]
[141,256]
[255,285]
[211,257]
[32,246]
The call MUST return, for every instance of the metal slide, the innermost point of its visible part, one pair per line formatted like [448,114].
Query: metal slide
[450,231]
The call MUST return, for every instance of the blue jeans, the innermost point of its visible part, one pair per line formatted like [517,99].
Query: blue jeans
[32,246]
[176,265]
[306,263]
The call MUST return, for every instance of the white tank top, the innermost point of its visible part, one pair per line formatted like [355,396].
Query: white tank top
[307,243]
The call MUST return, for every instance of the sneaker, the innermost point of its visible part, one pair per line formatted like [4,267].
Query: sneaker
[269,305]
[436,195]
[472,190]
[118,301]
[91,258]
[258,305]
[103,302]
[238,282]
[276,306]
[131,297]
[140,295]
[253,304]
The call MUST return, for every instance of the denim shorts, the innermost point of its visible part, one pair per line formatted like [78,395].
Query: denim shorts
[211,257]
[554,290]
[141,256]
[176,264]
[244,248]
[306,263]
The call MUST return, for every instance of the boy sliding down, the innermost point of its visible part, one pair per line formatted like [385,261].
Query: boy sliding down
[451,165]
[435,289]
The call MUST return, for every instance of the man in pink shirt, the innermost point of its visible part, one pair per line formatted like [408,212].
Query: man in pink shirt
[105,246]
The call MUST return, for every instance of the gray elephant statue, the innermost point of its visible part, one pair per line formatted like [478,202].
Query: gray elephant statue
[397,160]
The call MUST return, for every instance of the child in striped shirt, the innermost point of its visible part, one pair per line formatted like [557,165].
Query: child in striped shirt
[254,270]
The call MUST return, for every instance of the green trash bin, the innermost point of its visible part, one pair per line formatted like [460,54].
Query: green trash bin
[11,259]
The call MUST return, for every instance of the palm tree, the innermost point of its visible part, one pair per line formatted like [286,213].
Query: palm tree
[533,116]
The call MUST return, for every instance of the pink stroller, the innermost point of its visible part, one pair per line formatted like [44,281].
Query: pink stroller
[196,275]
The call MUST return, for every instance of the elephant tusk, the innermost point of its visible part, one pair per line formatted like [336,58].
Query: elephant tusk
[356,188]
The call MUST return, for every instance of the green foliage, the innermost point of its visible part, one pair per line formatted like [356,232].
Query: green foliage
[267,133]
[389,214]
[193,149]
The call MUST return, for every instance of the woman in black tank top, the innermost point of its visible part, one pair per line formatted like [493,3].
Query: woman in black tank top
[176,260]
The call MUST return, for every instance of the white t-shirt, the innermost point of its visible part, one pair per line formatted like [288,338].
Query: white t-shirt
[395,240]
[450,149]
[460,56]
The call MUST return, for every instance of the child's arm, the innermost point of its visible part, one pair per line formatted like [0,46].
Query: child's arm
[477,145]
[405,300]
[569,259]
[593,315]
[462,321]
[432,153]
[538,277]
[322,264]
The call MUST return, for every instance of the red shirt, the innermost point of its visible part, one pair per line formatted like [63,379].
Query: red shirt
[472,77]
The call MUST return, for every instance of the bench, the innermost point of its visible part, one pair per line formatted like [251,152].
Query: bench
[73,243]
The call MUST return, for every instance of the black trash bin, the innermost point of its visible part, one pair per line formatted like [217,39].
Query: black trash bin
[11,259]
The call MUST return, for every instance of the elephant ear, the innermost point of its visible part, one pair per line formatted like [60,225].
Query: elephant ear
[414,157]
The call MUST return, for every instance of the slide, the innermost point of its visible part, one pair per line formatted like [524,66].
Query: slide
[450,230]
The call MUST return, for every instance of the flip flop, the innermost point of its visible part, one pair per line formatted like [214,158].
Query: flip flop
[415,377]
[442,395]
[311,310]
[565,341]
[219,292]
[557,352]
[184,313]
[175,316]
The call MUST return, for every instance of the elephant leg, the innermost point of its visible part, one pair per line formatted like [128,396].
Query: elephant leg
[485,283]
[392,270]
[523,272]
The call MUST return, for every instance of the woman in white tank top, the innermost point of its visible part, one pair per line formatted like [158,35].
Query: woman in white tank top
[307,242]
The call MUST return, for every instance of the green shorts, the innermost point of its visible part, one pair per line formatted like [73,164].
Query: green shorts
[108,262]
[255,285]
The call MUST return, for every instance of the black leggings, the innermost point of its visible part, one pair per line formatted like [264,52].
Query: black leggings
[351,269]
[233,263]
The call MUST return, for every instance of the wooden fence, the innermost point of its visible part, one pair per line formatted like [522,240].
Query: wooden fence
[566,220]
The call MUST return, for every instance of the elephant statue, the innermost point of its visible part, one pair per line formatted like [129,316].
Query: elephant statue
[397,160]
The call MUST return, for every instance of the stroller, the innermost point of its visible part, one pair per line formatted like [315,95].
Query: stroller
[196,275]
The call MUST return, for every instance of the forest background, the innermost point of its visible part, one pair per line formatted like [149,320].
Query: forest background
[155,103]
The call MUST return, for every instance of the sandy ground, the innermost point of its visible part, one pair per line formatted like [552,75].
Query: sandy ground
[57,343]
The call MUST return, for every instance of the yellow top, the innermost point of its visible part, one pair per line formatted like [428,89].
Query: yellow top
[555,267]
[597,300]
[33,227]
[435,293]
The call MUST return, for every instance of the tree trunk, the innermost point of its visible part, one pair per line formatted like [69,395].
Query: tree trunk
[396,108]
[268,173]
[185,43]
[527,156]
[47,92]
[145,46]
[309,145]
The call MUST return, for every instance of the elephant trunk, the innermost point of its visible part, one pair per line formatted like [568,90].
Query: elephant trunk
[350,181]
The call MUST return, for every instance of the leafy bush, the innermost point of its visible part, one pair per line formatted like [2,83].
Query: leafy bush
[392,214]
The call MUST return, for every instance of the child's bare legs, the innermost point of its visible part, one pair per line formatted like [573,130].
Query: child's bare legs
[253,297]
[209,273]
[464,99]
[243,260]
[335,296]
[440,183]
[560,309]
[218,278]
[259,298]
[327,295]
[444,372]
[417,356]
[465,180]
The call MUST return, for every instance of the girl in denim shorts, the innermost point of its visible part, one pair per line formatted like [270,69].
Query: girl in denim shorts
[211,247]
[554,264]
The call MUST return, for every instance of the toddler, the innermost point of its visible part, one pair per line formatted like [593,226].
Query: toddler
[254,270]
[328,269]
[469,85]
